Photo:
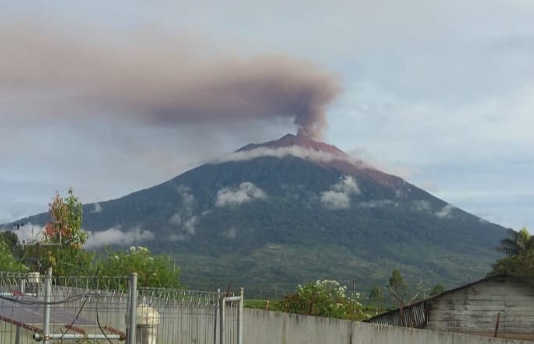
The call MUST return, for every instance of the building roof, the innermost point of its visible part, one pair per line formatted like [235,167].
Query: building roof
[415,314]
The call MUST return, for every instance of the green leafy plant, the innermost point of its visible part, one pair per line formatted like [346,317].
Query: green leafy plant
[7,261]
[153,271]
[326,298]
[62,245]
[519,259]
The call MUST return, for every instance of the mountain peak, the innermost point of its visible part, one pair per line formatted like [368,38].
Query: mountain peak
[291,140]
[320,153]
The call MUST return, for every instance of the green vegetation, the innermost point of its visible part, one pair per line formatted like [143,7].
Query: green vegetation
[7,260]
[64,227]
[519,251]
[153,271]
[326,298]
[437,289]
[260,304]
[270,245]
[62,250]
[11,241]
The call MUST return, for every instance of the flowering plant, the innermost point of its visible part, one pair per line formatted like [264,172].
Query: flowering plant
[326,298]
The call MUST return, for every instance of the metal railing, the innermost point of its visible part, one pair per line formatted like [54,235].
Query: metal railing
[111,310]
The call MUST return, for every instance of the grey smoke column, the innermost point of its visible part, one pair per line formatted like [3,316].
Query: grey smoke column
[159,81]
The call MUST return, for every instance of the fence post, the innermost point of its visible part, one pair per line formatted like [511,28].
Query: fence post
[240,318]
[222,317]
[215,318]
[47,298]
[132,293]
[22,287]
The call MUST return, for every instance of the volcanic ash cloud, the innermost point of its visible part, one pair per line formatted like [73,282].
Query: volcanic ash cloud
[162,81]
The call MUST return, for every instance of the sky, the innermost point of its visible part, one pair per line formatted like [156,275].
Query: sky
[112,97]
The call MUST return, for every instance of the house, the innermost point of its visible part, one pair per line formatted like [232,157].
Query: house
[498,306]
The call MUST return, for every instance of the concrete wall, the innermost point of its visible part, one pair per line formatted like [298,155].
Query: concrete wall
[265,327]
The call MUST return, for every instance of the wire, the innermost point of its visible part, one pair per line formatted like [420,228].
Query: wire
[38,302]
[98,321]
[97,272]
[72,323]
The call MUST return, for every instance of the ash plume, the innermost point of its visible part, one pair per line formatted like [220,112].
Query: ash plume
[158,80]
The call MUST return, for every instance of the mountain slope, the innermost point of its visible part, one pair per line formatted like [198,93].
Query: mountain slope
[294,210]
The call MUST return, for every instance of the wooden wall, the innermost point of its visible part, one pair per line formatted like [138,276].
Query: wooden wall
[475,308]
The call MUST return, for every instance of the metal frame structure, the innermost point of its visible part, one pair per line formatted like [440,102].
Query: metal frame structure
[113,309]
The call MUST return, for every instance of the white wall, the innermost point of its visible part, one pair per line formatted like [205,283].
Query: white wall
[265,327]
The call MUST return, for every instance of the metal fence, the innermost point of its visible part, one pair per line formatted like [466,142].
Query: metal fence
[415,316]
[112,310]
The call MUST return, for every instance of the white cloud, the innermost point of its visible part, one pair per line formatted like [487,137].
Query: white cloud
[189,225]
[176,219]
[178,237]
[187,198]
[97,209]
[184,218]
[335,200]
[281,152]
[246,192]
[347,185]
[445,211]
[115,236]
[230,233]
[338,197]
[421,205]
[378,203]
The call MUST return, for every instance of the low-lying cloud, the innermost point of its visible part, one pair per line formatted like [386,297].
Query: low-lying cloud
[378,204]
[115,236]
[422,206]
[425,207]
[445,212]
[246,192]
[338,197]
[184,219]
[97,208]
[281,152]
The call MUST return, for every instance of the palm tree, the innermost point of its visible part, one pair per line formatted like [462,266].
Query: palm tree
[517,243]
[519,250]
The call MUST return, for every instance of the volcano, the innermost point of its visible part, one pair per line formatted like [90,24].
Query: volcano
[293,210]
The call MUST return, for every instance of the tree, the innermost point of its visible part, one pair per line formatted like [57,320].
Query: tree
[7,261]
[519,259]
[437,289]
[64,227]
[153,271]
[375,298]
[64,238]
[326,298]
[12,242]
[397,286]
[517,243]
[398,290]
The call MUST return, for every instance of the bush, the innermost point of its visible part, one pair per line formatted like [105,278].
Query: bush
[325,298]
[153,271]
